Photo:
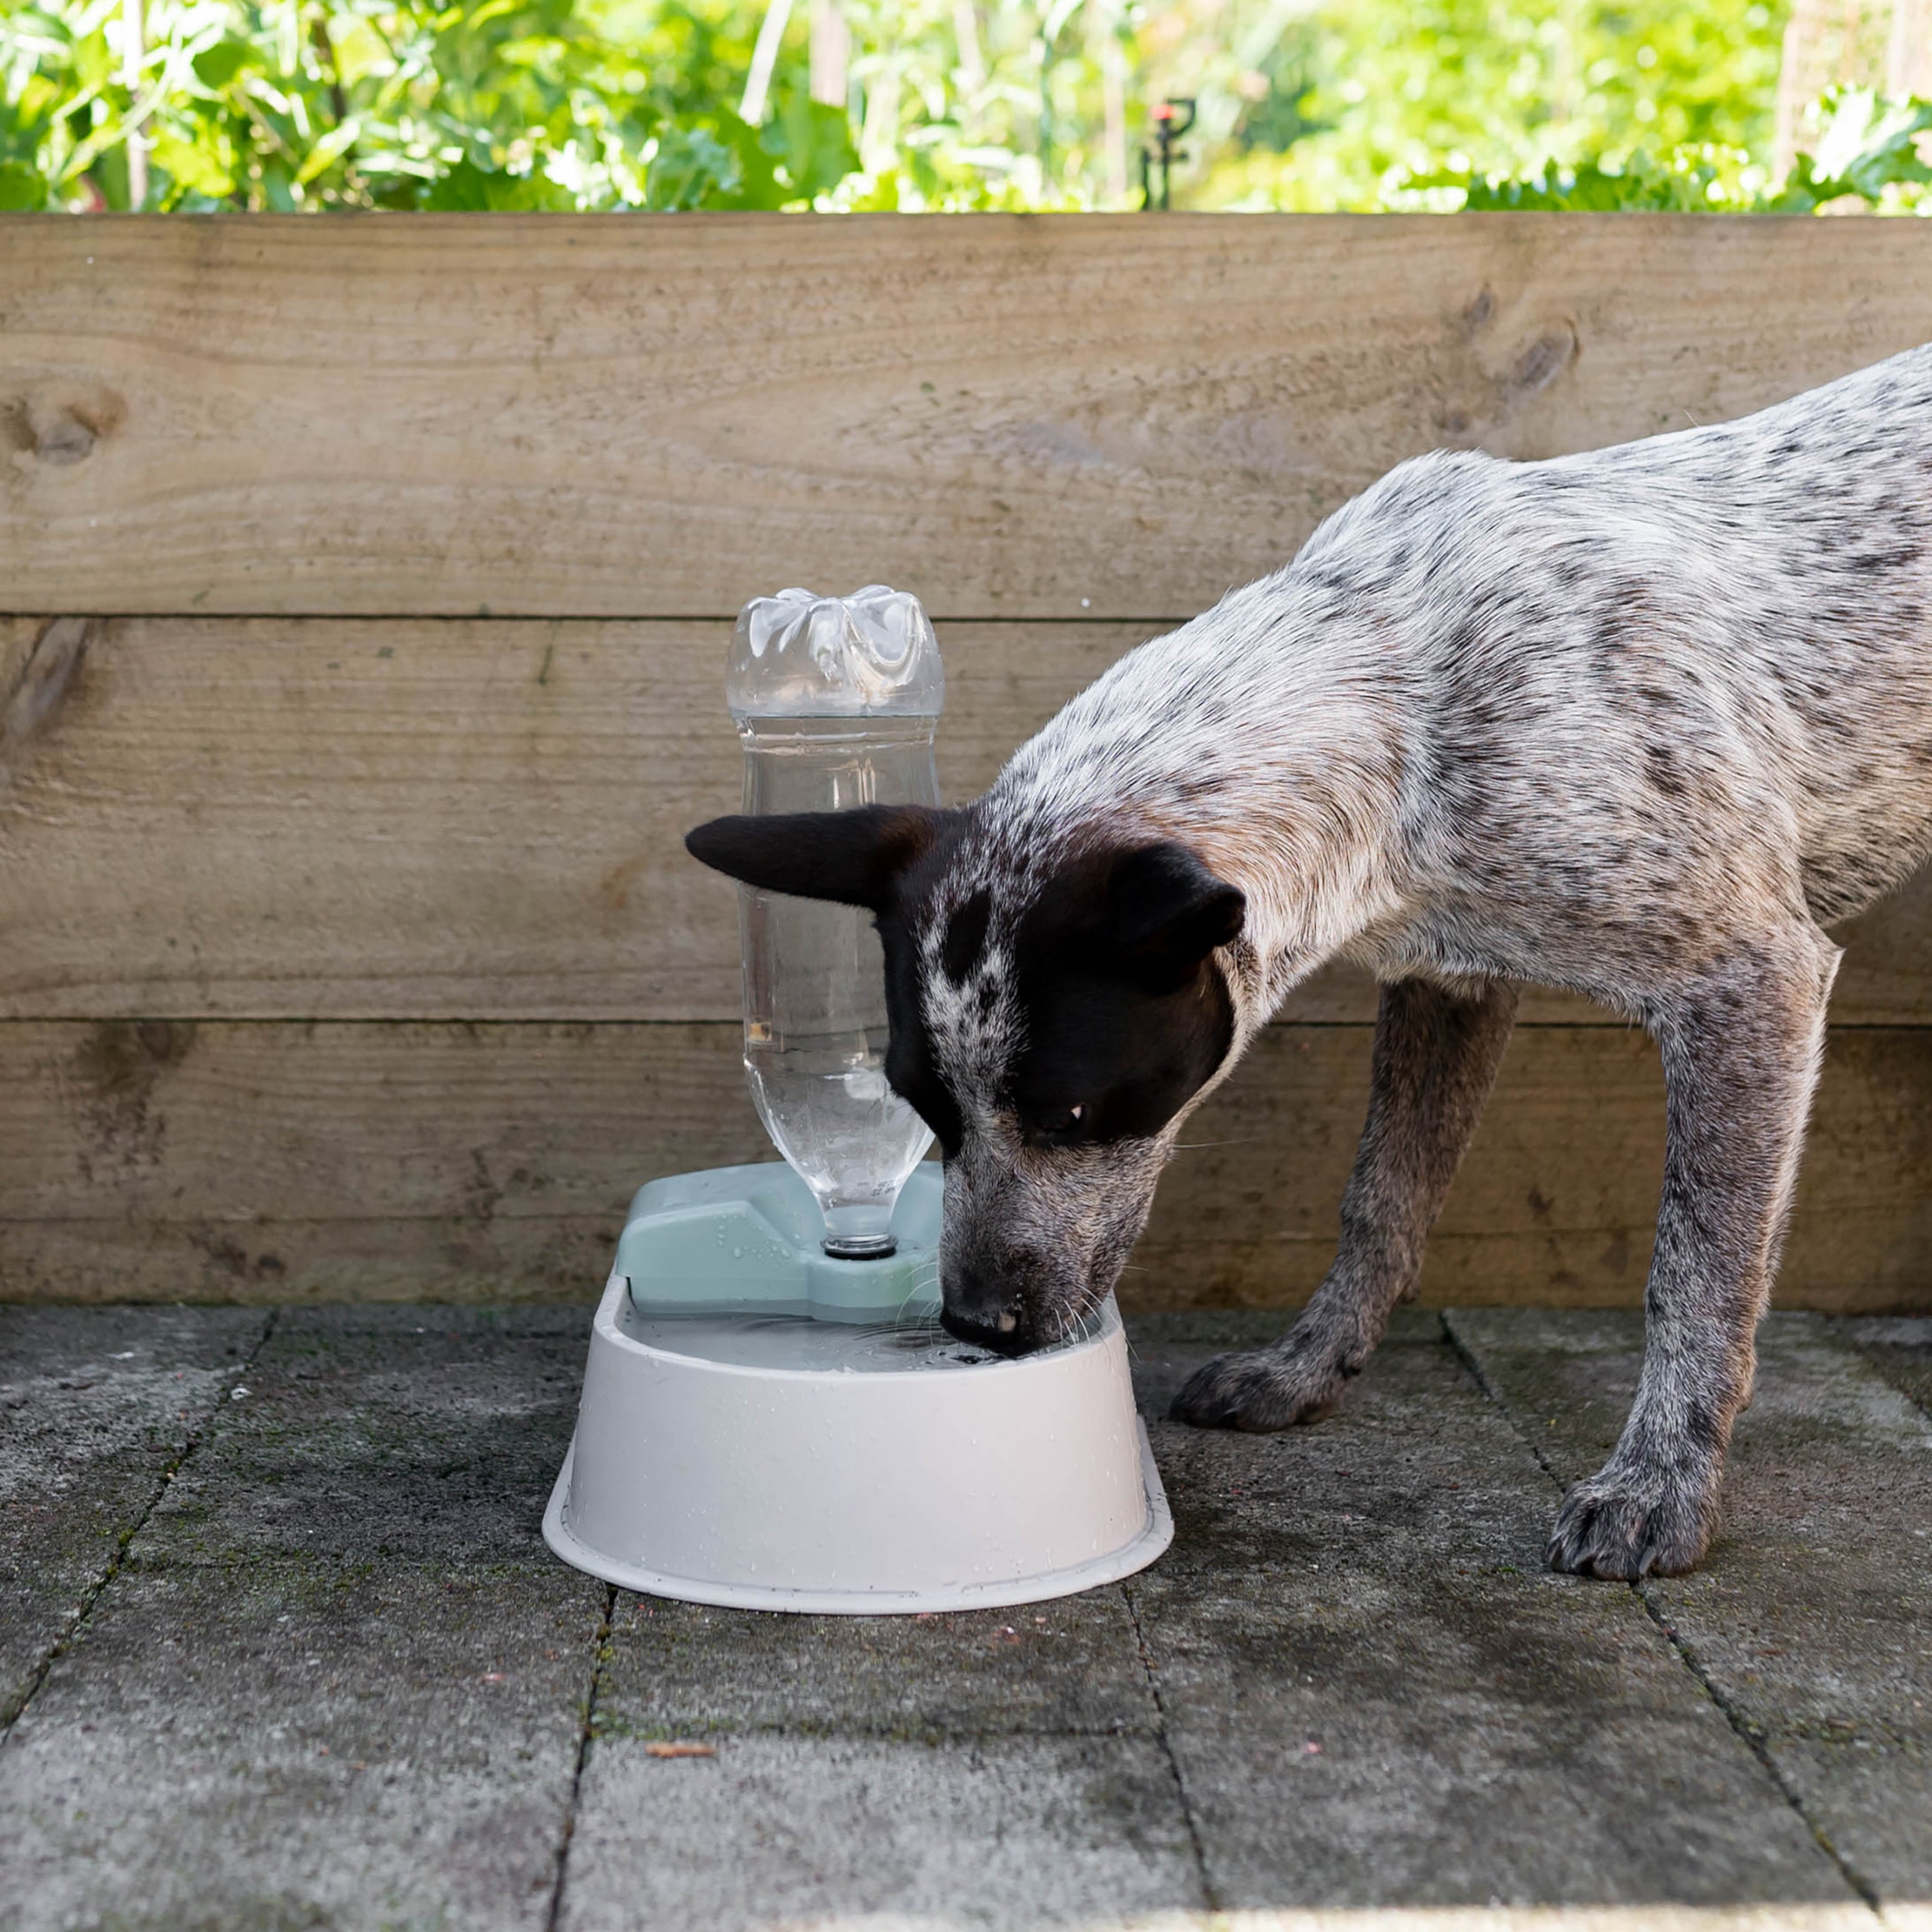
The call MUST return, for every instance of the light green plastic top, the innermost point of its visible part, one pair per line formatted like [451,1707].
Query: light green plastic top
[746,1241]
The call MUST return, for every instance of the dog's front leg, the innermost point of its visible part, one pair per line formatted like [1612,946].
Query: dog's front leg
[1436,1059]
[1740,1050]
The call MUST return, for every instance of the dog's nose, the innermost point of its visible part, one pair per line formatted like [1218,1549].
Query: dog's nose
[983,1308]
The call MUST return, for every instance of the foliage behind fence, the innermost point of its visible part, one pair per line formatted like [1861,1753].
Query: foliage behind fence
[531,104]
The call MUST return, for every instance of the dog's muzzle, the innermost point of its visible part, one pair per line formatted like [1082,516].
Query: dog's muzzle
[982,1306]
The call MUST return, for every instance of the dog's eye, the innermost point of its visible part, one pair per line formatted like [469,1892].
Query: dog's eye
[1062,1123]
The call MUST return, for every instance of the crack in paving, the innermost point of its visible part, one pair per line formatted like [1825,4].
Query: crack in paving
[1207,1892]
[600,1662]
[1849,1345]
[92,1594]
[1746,1732]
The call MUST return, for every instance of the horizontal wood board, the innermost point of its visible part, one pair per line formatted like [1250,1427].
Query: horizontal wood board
[368,581]
[271,1161]
[440,819]
[1015,416]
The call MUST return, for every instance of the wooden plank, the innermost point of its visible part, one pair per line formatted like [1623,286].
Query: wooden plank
[1023,416]
[357,1161]
[413,819]
[435,819]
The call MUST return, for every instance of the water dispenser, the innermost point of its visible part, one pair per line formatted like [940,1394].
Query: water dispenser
[772,1416]
[836,700]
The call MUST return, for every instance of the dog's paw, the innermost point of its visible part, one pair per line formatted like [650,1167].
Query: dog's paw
[1267,1388]
[1632,1523]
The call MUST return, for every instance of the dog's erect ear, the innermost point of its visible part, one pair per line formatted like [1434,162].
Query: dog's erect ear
[855,858]
[1166,912]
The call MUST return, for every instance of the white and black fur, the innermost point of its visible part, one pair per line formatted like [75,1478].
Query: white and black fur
[1641,723]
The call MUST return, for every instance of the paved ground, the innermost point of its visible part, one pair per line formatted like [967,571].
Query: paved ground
[280,1648]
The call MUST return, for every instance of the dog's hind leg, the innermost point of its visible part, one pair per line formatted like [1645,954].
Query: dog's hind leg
[1436,1059]
[1741,1052]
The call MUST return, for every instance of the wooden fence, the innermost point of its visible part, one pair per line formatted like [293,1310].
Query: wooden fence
[370,581]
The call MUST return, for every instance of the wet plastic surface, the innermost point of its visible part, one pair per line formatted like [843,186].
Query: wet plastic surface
[732,1449]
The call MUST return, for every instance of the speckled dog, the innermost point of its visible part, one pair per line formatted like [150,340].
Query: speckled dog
[1641,723]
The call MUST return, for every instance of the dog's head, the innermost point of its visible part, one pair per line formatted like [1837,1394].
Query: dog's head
[1051,1022]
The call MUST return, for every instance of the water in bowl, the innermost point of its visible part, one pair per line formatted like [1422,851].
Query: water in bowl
[914,1343]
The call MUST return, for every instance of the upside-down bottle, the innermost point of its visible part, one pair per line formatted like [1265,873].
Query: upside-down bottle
[835,700]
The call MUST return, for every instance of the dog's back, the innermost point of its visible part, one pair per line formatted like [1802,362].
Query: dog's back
[1663,674]
[1723,638]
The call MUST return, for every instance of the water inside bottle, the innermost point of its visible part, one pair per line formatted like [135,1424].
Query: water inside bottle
[815,1028]
[825,1102]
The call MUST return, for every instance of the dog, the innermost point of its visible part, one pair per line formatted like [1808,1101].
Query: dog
[1642,724]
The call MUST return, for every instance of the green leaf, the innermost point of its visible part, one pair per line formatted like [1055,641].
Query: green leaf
[328,150]
[203,167]
[23,189]
[217,66]
[278,188]
[814,142]
[1868,145]
[1587,188]
[468,189]
[691,165]
[758,185]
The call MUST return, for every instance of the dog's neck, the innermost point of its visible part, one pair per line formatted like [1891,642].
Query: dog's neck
[1261,735]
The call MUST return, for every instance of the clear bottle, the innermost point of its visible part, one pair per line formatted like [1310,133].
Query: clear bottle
[835,700]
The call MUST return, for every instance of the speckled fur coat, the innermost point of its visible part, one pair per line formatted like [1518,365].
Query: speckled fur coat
[1640,723]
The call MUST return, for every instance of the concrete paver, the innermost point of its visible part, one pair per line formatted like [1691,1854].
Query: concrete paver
[1899,1346]
[97,1405]
[1069,1668]
[1377,1696]
[389,1435]
[997,1767]
[338,1680]
[1809,1616]
[301,1744]
[781,1830]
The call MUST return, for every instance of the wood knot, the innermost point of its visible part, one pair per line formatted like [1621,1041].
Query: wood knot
[1543,362]
[59,434]
[35,692]
[66,439]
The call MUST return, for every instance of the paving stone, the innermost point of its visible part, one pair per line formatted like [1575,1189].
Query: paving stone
[96,1406]
[368,1433]
[1809,1615]
[289,1742]
[1376,1696]
[338,1680]
[678,1670]
[780,1830]
[1899,1346]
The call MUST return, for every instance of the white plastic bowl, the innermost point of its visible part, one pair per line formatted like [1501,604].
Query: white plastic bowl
[772,1462]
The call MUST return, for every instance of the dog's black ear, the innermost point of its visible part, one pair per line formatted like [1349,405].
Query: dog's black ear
[855,858]
[1166,912]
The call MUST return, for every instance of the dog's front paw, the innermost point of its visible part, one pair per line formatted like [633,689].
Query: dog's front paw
[1628,1523]
[1268,1388]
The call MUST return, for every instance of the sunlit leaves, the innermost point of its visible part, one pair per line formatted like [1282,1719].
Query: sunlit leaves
[950,104]
[276,104]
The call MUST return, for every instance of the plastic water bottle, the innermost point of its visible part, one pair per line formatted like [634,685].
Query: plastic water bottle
[835,700]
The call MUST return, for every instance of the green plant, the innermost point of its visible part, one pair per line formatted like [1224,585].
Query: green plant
[1871,151]
[397,103]
[948,104]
